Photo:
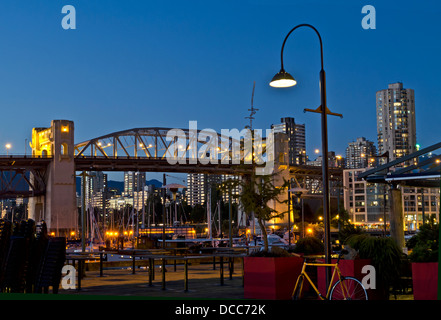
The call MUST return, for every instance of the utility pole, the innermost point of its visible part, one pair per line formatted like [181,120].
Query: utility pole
[164,183]
[83,211]
[143,203]
[230,216]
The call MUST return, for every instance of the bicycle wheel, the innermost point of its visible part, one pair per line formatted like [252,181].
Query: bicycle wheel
[353,290]
[298,289]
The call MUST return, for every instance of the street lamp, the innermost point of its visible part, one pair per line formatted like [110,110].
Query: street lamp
[299,192]
[8,146]
[173,187]
[282,80]
[384,155]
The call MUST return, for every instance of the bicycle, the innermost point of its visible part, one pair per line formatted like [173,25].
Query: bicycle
[346,288]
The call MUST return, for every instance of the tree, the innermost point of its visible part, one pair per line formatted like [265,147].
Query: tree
[198,213]
[255,195]
[424,245]
[346,228]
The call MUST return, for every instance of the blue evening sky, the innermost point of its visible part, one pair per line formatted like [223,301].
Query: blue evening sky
[164,63]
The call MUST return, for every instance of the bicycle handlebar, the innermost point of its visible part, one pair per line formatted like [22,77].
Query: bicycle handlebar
[342,252]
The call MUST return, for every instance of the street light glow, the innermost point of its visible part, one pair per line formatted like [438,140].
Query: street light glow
[8,146]
[283,80]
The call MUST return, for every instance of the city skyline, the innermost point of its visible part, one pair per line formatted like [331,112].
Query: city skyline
[113,72]
[187,143]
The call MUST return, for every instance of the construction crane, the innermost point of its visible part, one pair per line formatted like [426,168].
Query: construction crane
[177,178]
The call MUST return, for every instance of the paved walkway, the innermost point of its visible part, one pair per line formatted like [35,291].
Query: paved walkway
[203,283]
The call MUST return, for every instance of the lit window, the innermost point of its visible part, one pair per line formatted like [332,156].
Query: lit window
[64,149]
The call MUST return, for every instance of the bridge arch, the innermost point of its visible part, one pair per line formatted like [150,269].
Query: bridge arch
[156,142]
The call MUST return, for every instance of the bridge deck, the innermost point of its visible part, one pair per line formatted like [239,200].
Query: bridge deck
[155,165]
[15,163]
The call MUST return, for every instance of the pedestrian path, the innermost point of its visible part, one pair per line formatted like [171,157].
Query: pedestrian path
[203,283]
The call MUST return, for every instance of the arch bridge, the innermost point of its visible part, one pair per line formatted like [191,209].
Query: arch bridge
[48,176]
[165,150]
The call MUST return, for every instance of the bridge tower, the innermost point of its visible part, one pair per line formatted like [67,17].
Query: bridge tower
[58,207]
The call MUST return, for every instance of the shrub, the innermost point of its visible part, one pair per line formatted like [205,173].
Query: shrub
[347,231]
[309,246]
[424,245]
[275,252]
[423,253]
[384,253]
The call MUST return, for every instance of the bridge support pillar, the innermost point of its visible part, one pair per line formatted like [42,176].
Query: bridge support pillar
[397,216]
[58,208]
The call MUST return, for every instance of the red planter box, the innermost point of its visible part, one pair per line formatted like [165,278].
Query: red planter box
[425,280]
[271,278]
[348,268]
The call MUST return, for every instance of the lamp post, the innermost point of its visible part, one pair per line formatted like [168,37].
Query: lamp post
[164,193]
[173,187]
[8,146]
[299,193]
[282,80]
[289,217]
[83,176]
[386,156]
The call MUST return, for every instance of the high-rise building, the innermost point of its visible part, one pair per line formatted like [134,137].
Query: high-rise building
[96,193]
[96,185]
[198,185]
[196,188]
[133,182]
[359,153]
[396,127]
[296,139]
[235,192]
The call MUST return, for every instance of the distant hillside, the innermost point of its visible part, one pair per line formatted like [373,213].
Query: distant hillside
[154,182]
[119,185]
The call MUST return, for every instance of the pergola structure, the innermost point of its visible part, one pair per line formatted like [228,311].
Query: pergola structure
[424,170]
[420,169]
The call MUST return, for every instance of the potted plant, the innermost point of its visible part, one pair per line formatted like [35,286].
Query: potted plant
[350,264]
[386,257]
[268,274]
[424,261]
[271,275]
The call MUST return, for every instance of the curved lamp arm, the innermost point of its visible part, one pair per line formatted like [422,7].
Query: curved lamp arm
[296,27]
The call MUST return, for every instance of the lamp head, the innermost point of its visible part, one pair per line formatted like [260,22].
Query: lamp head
[283,80]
